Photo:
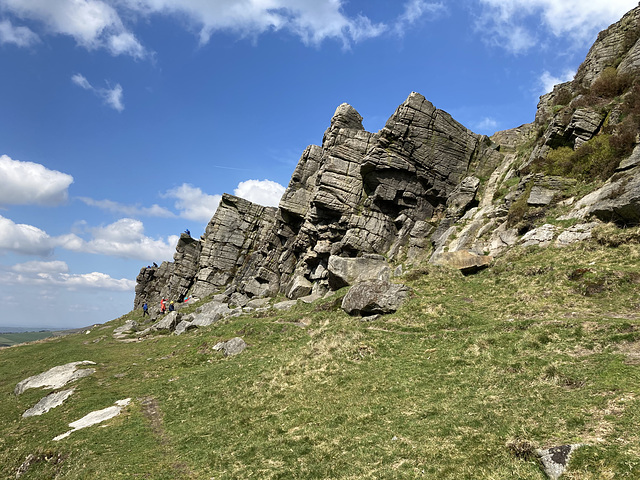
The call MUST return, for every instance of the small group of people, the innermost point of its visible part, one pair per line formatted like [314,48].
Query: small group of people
[163,307]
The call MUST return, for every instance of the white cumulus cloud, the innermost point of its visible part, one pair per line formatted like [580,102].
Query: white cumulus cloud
[124,238]
[111,96]
[56,266]
[263,192]
[92,23]
[24,239]
[518,25]
[193,203]
[27,183]
[20,36]
[56,274]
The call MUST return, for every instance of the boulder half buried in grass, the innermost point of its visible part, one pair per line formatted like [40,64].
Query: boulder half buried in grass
[374,297]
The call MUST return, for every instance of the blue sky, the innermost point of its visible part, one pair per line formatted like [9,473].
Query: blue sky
[123,121]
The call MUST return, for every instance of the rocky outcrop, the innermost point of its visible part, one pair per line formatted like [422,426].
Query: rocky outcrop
[618,200]
[169,280]
[422,187]
[616,46]
[56,377]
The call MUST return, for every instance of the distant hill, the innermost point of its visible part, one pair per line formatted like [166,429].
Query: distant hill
[14,338]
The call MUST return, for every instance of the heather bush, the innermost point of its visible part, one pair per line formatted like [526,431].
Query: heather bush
[610,84]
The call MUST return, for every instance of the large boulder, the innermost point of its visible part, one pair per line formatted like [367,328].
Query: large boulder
[168,322]
[130,326]
[618,200]
[231,347]
[299,287]
[348,271]
[374,297]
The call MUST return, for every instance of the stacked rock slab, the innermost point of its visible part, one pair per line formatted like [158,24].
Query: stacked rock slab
[231,235]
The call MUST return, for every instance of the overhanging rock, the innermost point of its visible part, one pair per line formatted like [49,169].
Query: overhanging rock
[463,260]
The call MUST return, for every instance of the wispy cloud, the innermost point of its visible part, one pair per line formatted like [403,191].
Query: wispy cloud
[28,183]
[111,96]
[91,23]
[415,10]
[20,36]
[95,24]
[129,210]
[515,24]
[486,125]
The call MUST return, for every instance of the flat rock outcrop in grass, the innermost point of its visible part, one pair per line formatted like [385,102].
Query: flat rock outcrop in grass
[94,418]
[555,460]
[56,377]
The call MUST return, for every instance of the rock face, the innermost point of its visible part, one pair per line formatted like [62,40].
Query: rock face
[169,280]
[363,204]
[353,202]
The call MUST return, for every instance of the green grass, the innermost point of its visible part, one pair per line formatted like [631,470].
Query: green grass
[9,339]
[542,347]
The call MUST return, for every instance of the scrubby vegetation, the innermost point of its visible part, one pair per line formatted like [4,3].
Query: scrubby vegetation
[465,381]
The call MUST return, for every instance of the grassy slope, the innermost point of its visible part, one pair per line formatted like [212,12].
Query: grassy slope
[536,349]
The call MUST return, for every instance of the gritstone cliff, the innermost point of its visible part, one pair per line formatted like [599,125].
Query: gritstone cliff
[425,188]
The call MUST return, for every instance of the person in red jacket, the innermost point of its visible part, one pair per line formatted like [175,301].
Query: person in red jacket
[163,307]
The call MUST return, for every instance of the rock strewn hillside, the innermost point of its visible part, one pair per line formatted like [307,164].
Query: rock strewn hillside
[425,186]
